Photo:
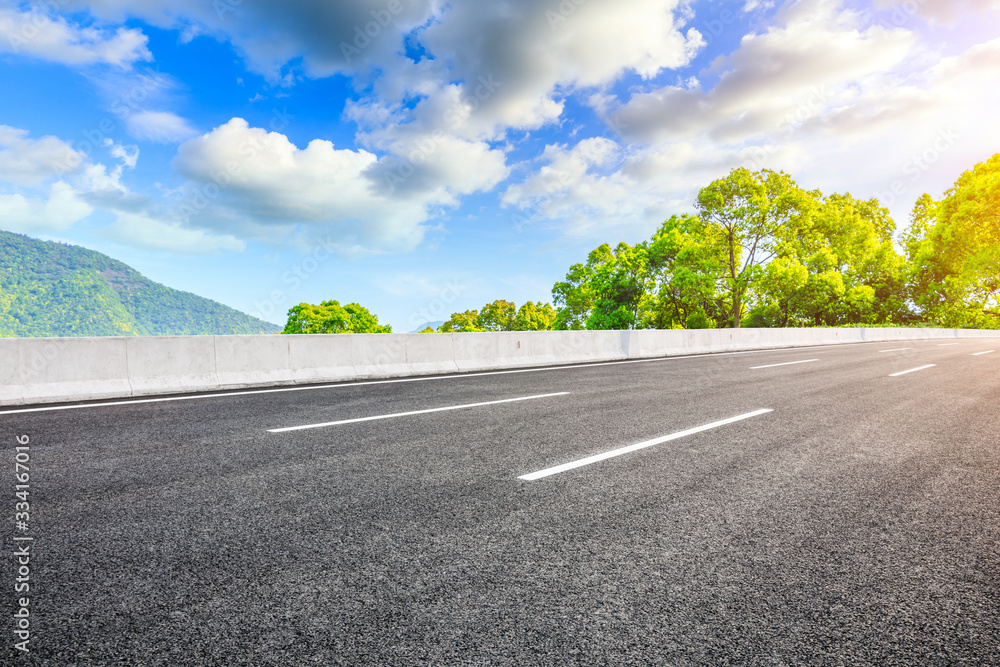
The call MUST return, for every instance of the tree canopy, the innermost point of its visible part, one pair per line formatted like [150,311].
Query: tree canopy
[954,249]
[501,315]
[760,250]
[329,317]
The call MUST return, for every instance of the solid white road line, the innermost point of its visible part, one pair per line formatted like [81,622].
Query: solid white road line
[898,349]
[413,412]
[947,344]
[976,354]
[787,363]
[912,370]
[530,477]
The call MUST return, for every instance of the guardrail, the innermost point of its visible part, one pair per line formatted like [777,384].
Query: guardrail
[47,370]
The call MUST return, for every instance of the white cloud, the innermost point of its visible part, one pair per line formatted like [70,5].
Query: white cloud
[525,58]
[77,186]
[534,45]
[785,76]
[36,33]
[144,232]
[540,51]
[488,69]
[938,11]
[270,34]
[26,161]
[583,191]
[258,183]
[838,103]
[129,155]
[159,126]
[827,92]
[56,212]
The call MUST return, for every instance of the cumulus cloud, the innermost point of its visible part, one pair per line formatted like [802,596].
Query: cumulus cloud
[431,129]
[785,76]
[159,126]
[39,34]
[584,190]
[145,232]
[526,57]
[824,94]
[54,187]
[524,40]
[329,37]
[826,91]
[538,51]
[252,180]
[56,212]
[26,161]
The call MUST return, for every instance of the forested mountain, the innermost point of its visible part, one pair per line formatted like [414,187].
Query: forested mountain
[55,289]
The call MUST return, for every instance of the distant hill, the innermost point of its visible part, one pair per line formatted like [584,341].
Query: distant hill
[432,325]
[55,289]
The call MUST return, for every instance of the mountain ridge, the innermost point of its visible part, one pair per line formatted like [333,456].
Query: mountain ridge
[56,289]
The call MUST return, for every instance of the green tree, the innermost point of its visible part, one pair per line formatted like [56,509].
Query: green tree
[618,286]
[840,267]
[606,292]
[364,321]
[754,212]
[535,316]
[502,315]
[574,296]
[954,246]
[498,316]
[687,268]
[329,317]
[458,322]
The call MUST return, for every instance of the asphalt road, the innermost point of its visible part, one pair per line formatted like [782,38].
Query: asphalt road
[857,522]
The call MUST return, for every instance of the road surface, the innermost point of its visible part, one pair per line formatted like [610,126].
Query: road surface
[828,505]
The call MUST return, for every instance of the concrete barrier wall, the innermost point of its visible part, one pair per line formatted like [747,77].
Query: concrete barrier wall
[10,372]
[46,370]
[161,364]
[59,369]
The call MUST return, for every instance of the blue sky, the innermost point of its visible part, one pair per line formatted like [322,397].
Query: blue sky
[422,157]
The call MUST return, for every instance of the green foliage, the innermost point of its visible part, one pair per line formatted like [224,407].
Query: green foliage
[458,322]
[503,315]
[535,316]
[618,285]
[752,213]
[604,293]
[699,320]
[573,296]
[498,316]
[764,252]
[840,268]
[954,249]
[687,268]
[329,317]
[54,289]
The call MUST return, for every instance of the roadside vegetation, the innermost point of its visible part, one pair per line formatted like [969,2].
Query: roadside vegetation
[760,251]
